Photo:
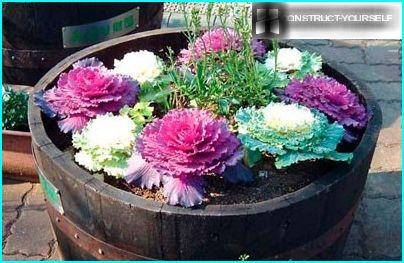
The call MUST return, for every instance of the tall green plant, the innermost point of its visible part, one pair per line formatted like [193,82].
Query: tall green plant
[227,80]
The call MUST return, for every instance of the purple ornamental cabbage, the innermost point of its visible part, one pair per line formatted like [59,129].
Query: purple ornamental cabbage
[330,97]
[89,89]
[259,48]
[184,146]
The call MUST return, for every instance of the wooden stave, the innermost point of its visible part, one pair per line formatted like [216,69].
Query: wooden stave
[25,62]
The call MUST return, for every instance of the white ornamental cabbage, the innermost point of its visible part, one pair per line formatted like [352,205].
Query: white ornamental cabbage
[141,65]
[288,59]
[296,118]
[294,64]
[105,144]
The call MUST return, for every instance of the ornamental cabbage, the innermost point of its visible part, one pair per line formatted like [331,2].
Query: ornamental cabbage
[105,144]
[88,90]
[215,40]
[293,62]
[140,65]
[259,48]
[184,146]
[290,132]
[331,98]
[288,59]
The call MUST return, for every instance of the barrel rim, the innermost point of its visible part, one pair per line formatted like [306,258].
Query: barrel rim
[316,187]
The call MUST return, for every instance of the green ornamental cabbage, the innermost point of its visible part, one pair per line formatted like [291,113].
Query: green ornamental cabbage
[290,132]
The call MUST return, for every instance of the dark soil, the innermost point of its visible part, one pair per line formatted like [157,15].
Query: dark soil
[268,183]
[155,194]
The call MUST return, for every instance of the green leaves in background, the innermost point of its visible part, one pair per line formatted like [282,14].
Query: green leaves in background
[15,109]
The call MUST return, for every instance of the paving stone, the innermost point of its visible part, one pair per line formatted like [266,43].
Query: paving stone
[7,219]
[365,72]
[391,111]
[382,227]
[311,42]
[386,91]
[349,42]
[341,54]
[392,134]
[353,248]
[13,191]
[56,253]
[383,54]
[31,234]
[377,42]
[386,158]
[35,198]
[384,184]
[21,257]
[392,124]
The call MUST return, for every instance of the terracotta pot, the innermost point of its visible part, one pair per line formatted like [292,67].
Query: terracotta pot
[18,162]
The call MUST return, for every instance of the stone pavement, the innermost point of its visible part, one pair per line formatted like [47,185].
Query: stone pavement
[376,231]
[27,233]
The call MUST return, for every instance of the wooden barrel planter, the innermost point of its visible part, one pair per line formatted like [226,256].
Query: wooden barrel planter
[94,220]
[36,36]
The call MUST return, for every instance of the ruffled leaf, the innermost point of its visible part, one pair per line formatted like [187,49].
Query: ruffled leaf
[252,157]
[238,173]
[88,62]
[185,191]
[331,98]
[290,158]
[311,64]
[141,173]
[43,104]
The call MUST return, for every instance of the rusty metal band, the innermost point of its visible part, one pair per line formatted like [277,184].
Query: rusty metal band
[104,251]
[95,247]
[34,59]
[321,243]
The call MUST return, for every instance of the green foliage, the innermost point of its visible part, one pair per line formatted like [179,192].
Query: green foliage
[311,65]
[157,91]
[140,114]
[244,257]
[15,109]
[224,82]
[252,157]
[289,143]
[227,80]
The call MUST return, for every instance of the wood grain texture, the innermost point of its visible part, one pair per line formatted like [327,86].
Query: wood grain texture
[32,33]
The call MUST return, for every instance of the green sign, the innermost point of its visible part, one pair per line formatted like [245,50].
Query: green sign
[92,33]
[52,194]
